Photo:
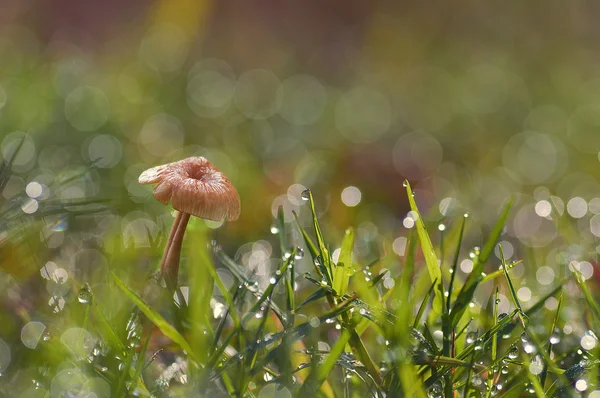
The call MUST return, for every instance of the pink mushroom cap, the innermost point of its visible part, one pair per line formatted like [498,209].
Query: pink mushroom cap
[193,185]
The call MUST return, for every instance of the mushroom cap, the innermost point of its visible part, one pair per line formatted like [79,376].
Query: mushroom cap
[193,185]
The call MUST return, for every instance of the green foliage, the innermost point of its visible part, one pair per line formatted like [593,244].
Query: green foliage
[342,332]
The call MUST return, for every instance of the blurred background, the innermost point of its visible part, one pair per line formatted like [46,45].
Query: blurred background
[470,102]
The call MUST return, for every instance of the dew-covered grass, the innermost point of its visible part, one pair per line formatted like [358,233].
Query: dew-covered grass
[314,319]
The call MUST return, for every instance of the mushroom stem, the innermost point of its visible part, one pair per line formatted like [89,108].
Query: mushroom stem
[170,241]
[170,268]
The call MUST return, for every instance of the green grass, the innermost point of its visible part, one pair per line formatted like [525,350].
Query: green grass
[340,330]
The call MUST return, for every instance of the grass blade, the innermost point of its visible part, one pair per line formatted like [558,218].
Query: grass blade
[491,374]
[343,269]
[587,294]
[550,340]
[166,328]
[324,252]
[429,253]
[513,292]
[455,261]
[466,293]
[320,373]
[423,305]
[202,277]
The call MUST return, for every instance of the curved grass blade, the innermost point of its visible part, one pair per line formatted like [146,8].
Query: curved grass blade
[316,295]
[587,294]
[423,305]
[269,290]
[429,253]
[166,328]
[6,165]
[314,252]
[513,292]
[321,372]
[325,257]
[249,285]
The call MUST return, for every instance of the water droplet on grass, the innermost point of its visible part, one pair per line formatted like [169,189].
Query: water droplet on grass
[555,337]
[513,353]
[471,337]
[299,253]
[84,296]
[478,345]
[305,195]
[527,346]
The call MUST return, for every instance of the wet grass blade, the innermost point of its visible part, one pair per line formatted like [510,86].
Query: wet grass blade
[321,372]
[269,290]
[6,165]
[468,290]
[108,332]
[327,268]
[141,361]
[325,265]
[429,253]
[470,349]
[540,303]
[201,279]
[343,269]
[166,328]
[587,294]
[525,322]
[281,230]
[447,327]
[513,292]
[500,272]
[455,260]
[231,310]
[491,374]
[539,390]
[316,295]
[312,249]
[550,340]
[295,333]
[290,272]
[239,273]
[464,354]
[423,305]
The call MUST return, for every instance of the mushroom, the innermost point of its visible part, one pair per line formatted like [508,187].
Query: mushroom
[194,187]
